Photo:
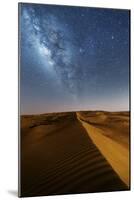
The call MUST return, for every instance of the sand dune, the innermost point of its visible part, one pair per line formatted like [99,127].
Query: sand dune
[59,157]
[110,133]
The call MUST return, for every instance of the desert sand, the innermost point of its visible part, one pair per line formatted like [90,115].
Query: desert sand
[110,133]
[59,154]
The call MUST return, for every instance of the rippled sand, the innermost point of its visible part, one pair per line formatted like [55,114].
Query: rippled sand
[58,156]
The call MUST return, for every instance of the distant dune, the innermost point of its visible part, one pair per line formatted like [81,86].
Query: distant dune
[60,155]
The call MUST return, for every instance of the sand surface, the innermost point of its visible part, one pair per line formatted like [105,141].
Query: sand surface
[58,156]
[110,133]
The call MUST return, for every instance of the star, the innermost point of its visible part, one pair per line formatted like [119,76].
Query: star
[82,15]
[112,37]
[81,50]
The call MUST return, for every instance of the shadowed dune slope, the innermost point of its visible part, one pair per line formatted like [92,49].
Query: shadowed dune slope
[58,157]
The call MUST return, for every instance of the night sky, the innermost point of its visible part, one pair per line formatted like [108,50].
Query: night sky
[73,58]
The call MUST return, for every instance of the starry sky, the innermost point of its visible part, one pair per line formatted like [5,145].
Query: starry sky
[73,58]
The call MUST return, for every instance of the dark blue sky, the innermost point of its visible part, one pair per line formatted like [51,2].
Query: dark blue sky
[73,58]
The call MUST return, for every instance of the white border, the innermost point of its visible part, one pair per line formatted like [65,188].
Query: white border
[9,96]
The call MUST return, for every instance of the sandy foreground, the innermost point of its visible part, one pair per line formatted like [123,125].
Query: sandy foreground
[63,153]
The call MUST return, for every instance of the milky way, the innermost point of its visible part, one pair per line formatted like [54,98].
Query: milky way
[73,58]
[51,42]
